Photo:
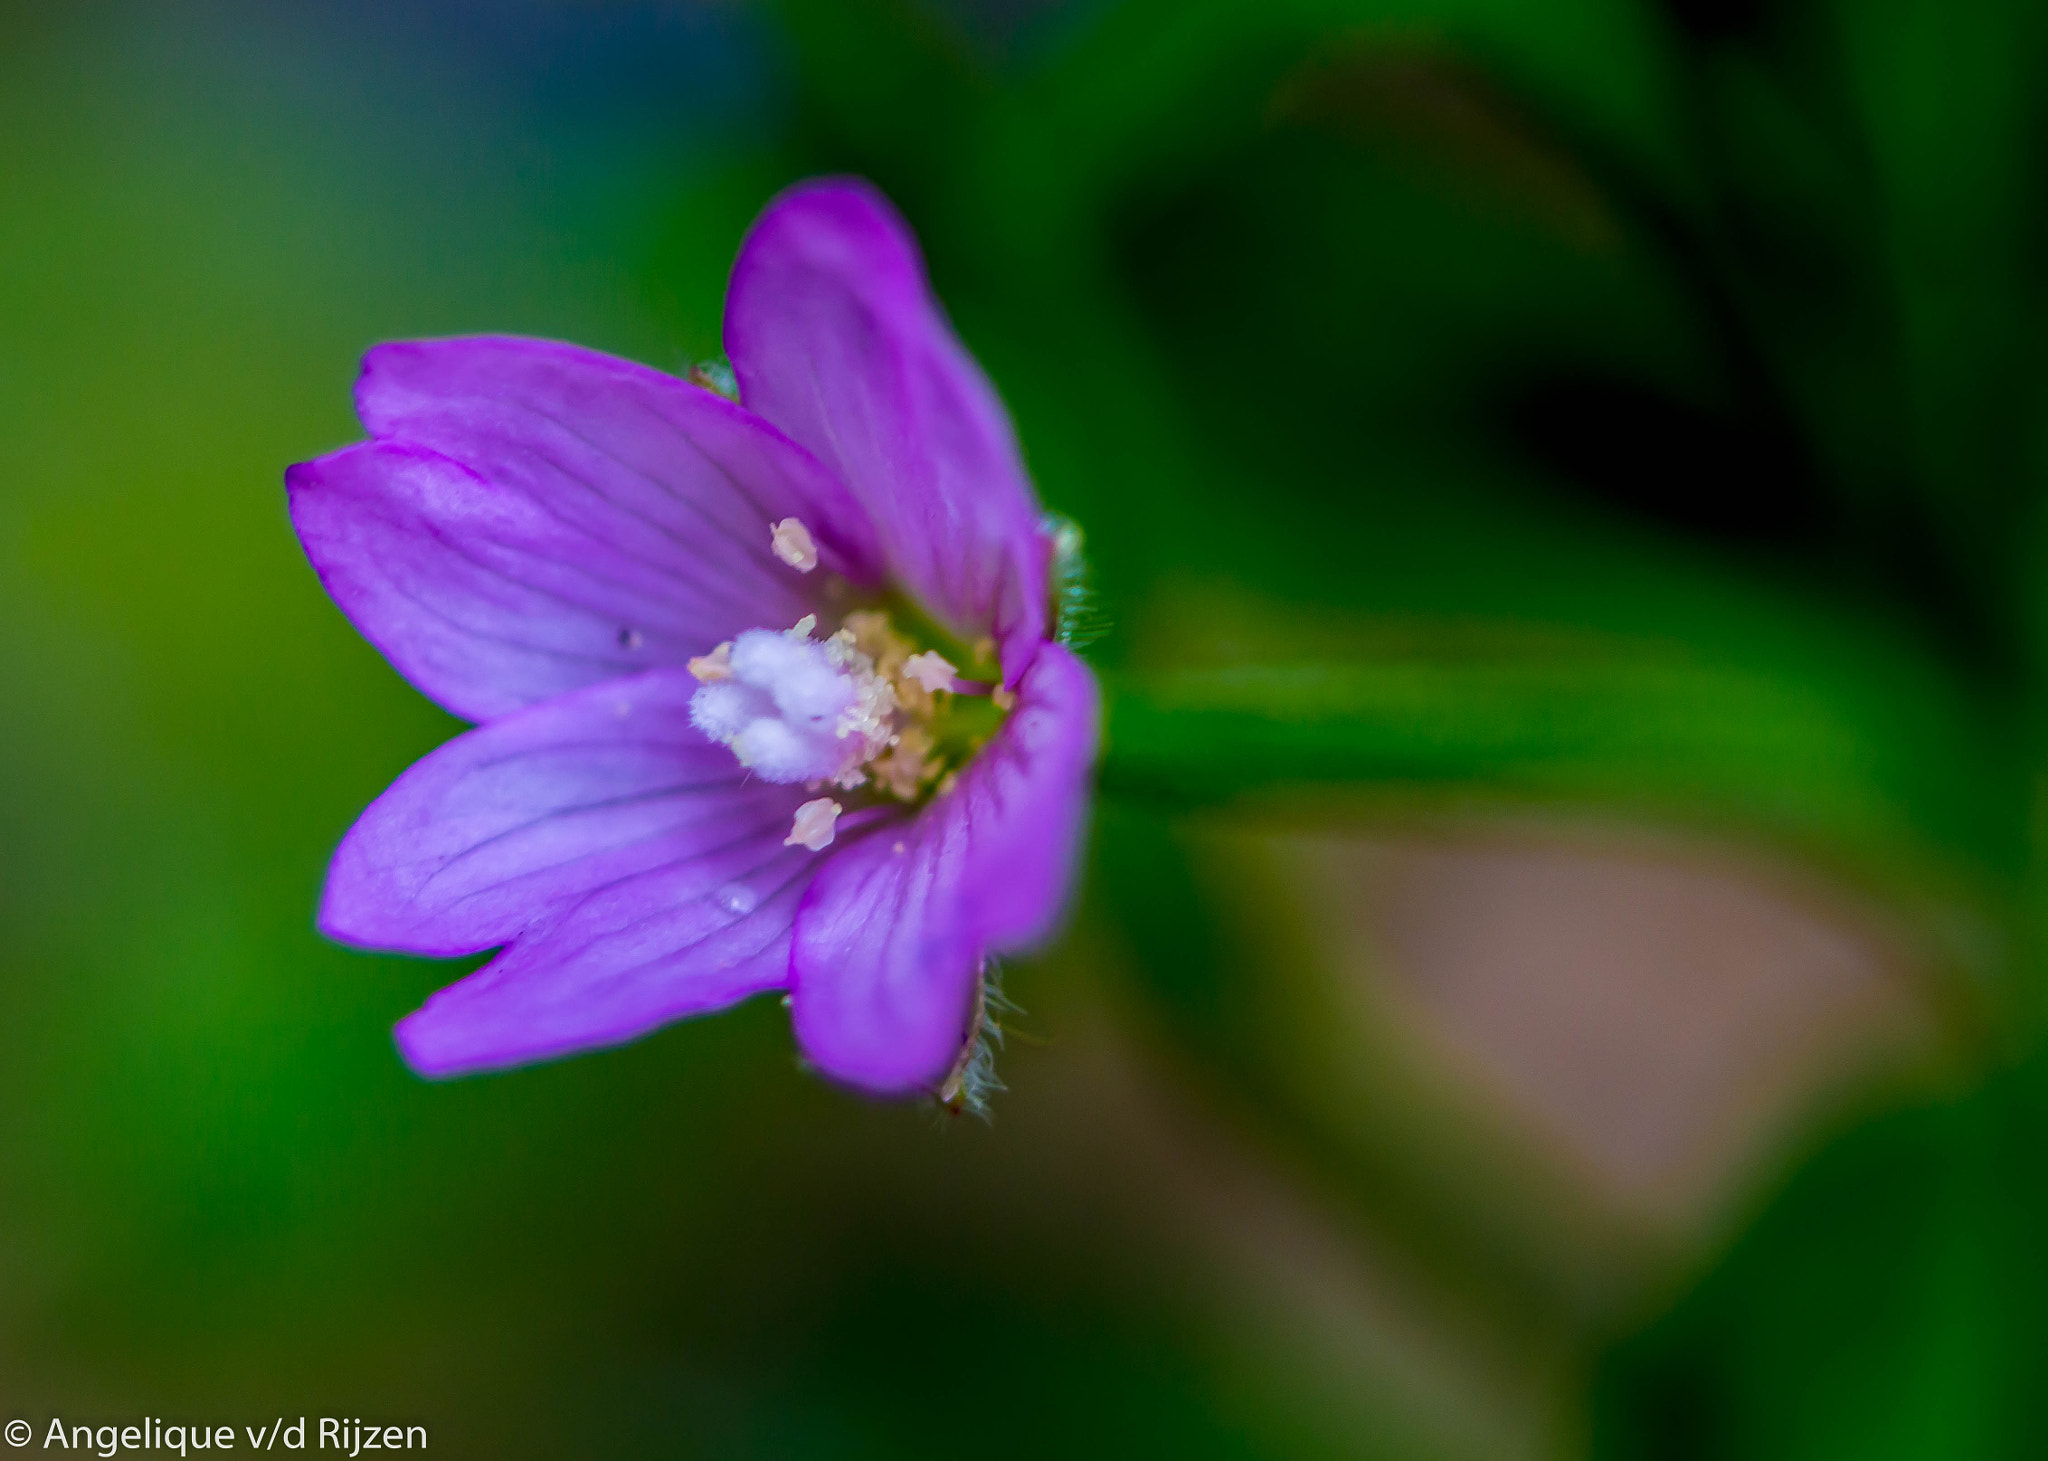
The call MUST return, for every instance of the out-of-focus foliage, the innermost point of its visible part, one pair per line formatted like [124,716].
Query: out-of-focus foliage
[1625,404]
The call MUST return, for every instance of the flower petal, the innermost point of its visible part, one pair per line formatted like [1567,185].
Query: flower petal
[534,517]
[836,338]
[654,948]
[509,826]
[890,938]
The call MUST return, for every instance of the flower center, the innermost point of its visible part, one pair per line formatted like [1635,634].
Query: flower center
[863,710]
[794,708]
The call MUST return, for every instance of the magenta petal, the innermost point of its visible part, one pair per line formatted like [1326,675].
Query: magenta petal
[509,826]
[836,338]
[890,938]
[676,941]
[535,517]
[474,594]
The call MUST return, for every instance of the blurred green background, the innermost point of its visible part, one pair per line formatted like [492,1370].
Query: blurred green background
[1561,968]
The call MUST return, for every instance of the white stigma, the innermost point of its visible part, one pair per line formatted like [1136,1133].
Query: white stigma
[794,545]
[794,708]
[815,825]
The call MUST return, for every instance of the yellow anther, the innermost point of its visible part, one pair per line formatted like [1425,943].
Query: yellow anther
[874,637]
[907,766]
[931,670]
[814,825]
[716,665]
[794,545]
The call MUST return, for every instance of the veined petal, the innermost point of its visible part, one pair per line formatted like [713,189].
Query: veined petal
[656,947]
[534,517]
[890,937]
[475,594]
[511,825]
[836,338]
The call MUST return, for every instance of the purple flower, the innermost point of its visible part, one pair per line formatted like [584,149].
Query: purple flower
[728,739]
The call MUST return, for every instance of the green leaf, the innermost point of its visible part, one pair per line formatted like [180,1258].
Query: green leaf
[1657,732]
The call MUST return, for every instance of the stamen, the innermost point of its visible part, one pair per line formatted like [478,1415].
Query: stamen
[794,545]
[859,708]
[931,670]
[873,637]
[815,825]
[716,665]
[906,767]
